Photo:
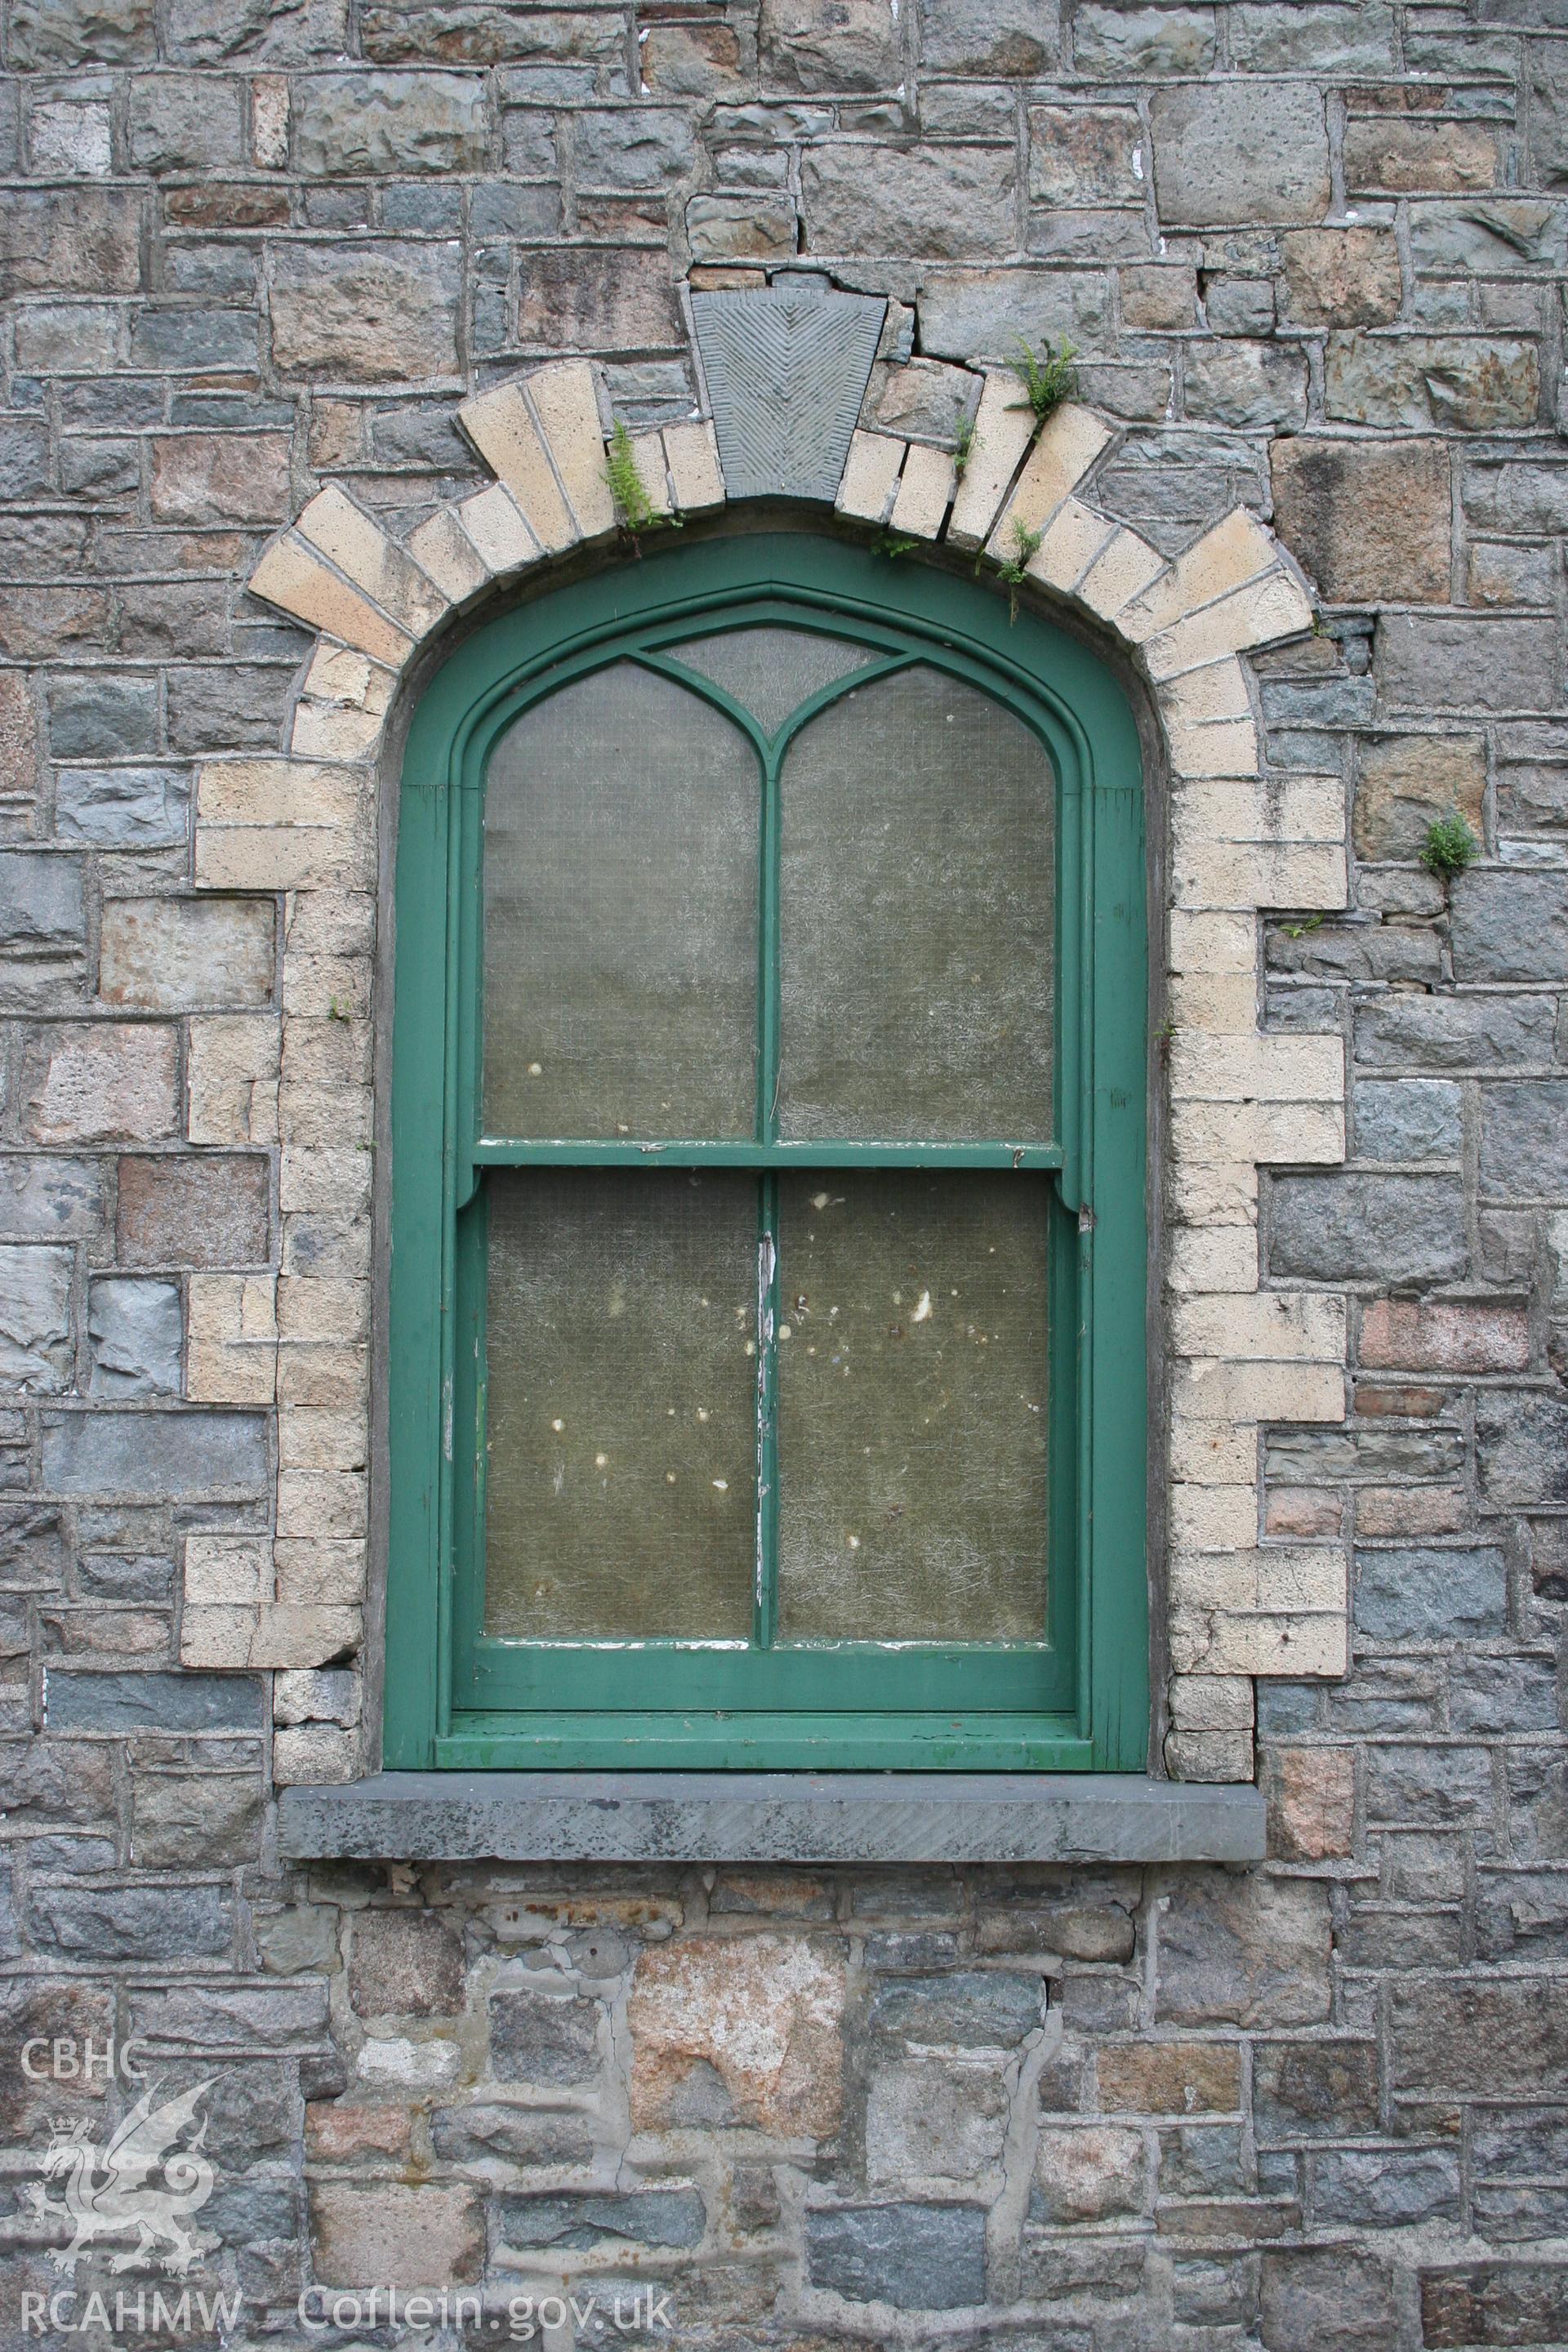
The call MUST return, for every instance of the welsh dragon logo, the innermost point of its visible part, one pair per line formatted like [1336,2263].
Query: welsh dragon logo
[142,2183]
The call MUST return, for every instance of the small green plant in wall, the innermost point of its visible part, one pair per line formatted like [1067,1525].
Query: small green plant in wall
[1450,847]
[1047,375]
[1012,566]
[635,510]
[962,446]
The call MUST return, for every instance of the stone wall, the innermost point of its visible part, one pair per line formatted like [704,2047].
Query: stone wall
[1312,257]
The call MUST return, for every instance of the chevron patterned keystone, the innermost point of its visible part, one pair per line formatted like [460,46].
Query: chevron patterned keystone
[360,546]
[293,576]
[691,454]
[1073,538]
[500,425]
[1236,550]
[494,522]
[566,408]
[870,473]
[1070,442]
[925,490]
[786,368]
[1004,427]
[444,551]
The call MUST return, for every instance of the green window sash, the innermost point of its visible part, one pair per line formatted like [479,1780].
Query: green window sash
[1075,1697]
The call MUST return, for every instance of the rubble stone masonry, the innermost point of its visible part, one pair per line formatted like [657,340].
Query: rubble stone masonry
[315,315]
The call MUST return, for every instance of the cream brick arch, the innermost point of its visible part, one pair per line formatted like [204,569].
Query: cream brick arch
[303,824]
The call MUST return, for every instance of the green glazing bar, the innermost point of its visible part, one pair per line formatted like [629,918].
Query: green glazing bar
[767,1411]
[560,1151]
[768,959]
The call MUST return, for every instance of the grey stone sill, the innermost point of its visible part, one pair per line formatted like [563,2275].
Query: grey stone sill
[772,1817]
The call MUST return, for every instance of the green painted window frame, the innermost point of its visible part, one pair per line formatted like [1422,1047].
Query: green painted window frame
[450,1698]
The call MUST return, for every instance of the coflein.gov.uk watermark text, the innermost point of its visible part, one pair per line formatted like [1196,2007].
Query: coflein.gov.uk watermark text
[165,2312]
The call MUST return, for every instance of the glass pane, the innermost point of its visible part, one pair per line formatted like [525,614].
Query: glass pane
[621,1480]
[913,1408]
[621,830]
[919,823]
[769,671]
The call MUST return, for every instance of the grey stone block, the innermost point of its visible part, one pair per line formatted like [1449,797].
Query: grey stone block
[1234,152]
[1312,2296]
[1251,385]
[1333,36]
[1427,1594]
[975,314]
[36,1352]
[44,1198]
[1428,1786]
[194,341]
[773,1817]
[1522,1448]
[381,122]
[1377,2189]
[632,147]
[181,121]
[1502,1694]
[153,1453]
[122,808]
[49,33]
[380,311]
[102,1924]
[405,1963]
[577,2219]
[974,2010]
[1408,1119]
[989,37]
[95,716]
[950,201]
[1509,926]
[786,373]
[1247,1950]
[24,457]
[538,2037]
[1427,661]
[1524,1140]
[1454,1032]
[134,1331]
[916,2257]
[155,1702]
[1399,1229]
[477,2131]
[1116,44]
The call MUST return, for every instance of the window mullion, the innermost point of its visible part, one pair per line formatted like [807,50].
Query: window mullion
[768,956]
[766,1614]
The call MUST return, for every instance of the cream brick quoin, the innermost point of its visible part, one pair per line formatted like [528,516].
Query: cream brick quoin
[304,824]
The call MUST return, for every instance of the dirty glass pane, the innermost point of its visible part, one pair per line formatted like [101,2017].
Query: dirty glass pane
[621,828]
[917,919]
[913,1413]
[769,671]
[621,1473]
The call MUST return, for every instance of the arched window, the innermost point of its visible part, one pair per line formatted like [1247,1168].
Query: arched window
[767,1374]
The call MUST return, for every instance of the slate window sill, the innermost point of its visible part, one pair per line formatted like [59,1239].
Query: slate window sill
[851,1817]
